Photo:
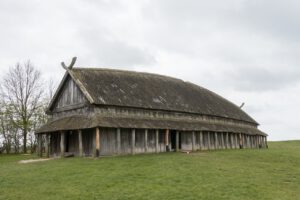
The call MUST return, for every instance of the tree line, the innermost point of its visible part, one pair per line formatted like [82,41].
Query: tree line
[24,97]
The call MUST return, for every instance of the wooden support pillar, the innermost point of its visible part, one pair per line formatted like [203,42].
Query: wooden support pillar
[259,142]
[118,141]
[236,141]
[216,140]
[80,143]
[146,140]
[222,140]
[167,140]
[39,147]
[47,145]
[133,141]
[241,141]
[227,141]
[193,141]
[231,141]
[177,140]
[156,140]
[266,142]
[201,140]
[62,144]
[96,152]
[208,141]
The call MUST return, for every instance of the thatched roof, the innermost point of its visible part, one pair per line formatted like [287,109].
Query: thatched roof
[83,122]
[152,91]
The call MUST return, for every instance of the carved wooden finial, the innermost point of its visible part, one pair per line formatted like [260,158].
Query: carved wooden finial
[241,106]
[71,65]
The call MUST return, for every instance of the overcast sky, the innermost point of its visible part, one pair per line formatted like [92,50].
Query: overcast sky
[245,50]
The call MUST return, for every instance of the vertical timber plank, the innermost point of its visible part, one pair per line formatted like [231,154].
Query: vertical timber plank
[167,140]
[47,145]
[118,141]
[156,140]
[227,141]
[133,141]
[80,143]
[193,141]
[97,143]
[222,139]
[216,140]
[201,140]
[177,140]
[146,140]
[62,144]
[39,149]
[208,140]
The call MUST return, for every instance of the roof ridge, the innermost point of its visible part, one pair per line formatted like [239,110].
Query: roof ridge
[126,71]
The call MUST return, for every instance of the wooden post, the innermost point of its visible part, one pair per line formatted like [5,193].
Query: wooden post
[97,143]
[146,140]
[222,139]
[240,139]
[216,140]
[80,143]
[227,141]
[118,141]
[133,141]
[47,145]
[39,147]
[208,140]
[167,140]
[237,141]
[62,144]
[177,140]
[231,138]
[156,140]
[193,141]
[201,140]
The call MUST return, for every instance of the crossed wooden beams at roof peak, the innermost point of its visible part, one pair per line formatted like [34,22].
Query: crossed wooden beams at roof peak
[71,64]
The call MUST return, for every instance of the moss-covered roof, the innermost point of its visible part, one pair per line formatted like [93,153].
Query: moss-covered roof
[152,91]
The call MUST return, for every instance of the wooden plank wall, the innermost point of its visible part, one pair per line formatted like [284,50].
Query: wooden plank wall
[70,95]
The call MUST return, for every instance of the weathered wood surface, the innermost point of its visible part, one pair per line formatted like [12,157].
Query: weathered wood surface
[70,97]
[62,144]
[80,146]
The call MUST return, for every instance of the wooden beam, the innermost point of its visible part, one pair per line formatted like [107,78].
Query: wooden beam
[133,141]
[146,140]
[193,141]
[227,141]
[156,140]
[97,142]
[47,145]
[167,133]
[118,141]
[177,140]
[237,141]
[80,143]
[201,140]
[208,140]
[240,139]
[39,149]
[216,140]
[62,144]
[222,140]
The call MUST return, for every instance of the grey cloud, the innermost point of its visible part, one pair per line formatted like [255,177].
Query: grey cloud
[262,80]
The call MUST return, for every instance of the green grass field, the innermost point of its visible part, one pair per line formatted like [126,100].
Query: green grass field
[225,174]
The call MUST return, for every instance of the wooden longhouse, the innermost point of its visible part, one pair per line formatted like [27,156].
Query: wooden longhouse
[97,112]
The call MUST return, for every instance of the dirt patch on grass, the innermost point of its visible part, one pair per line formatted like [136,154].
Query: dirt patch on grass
[34,160]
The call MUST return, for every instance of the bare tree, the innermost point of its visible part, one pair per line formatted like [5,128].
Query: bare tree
[22,89]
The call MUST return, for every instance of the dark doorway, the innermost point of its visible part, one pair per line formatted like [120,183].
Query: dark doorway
[173,140]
